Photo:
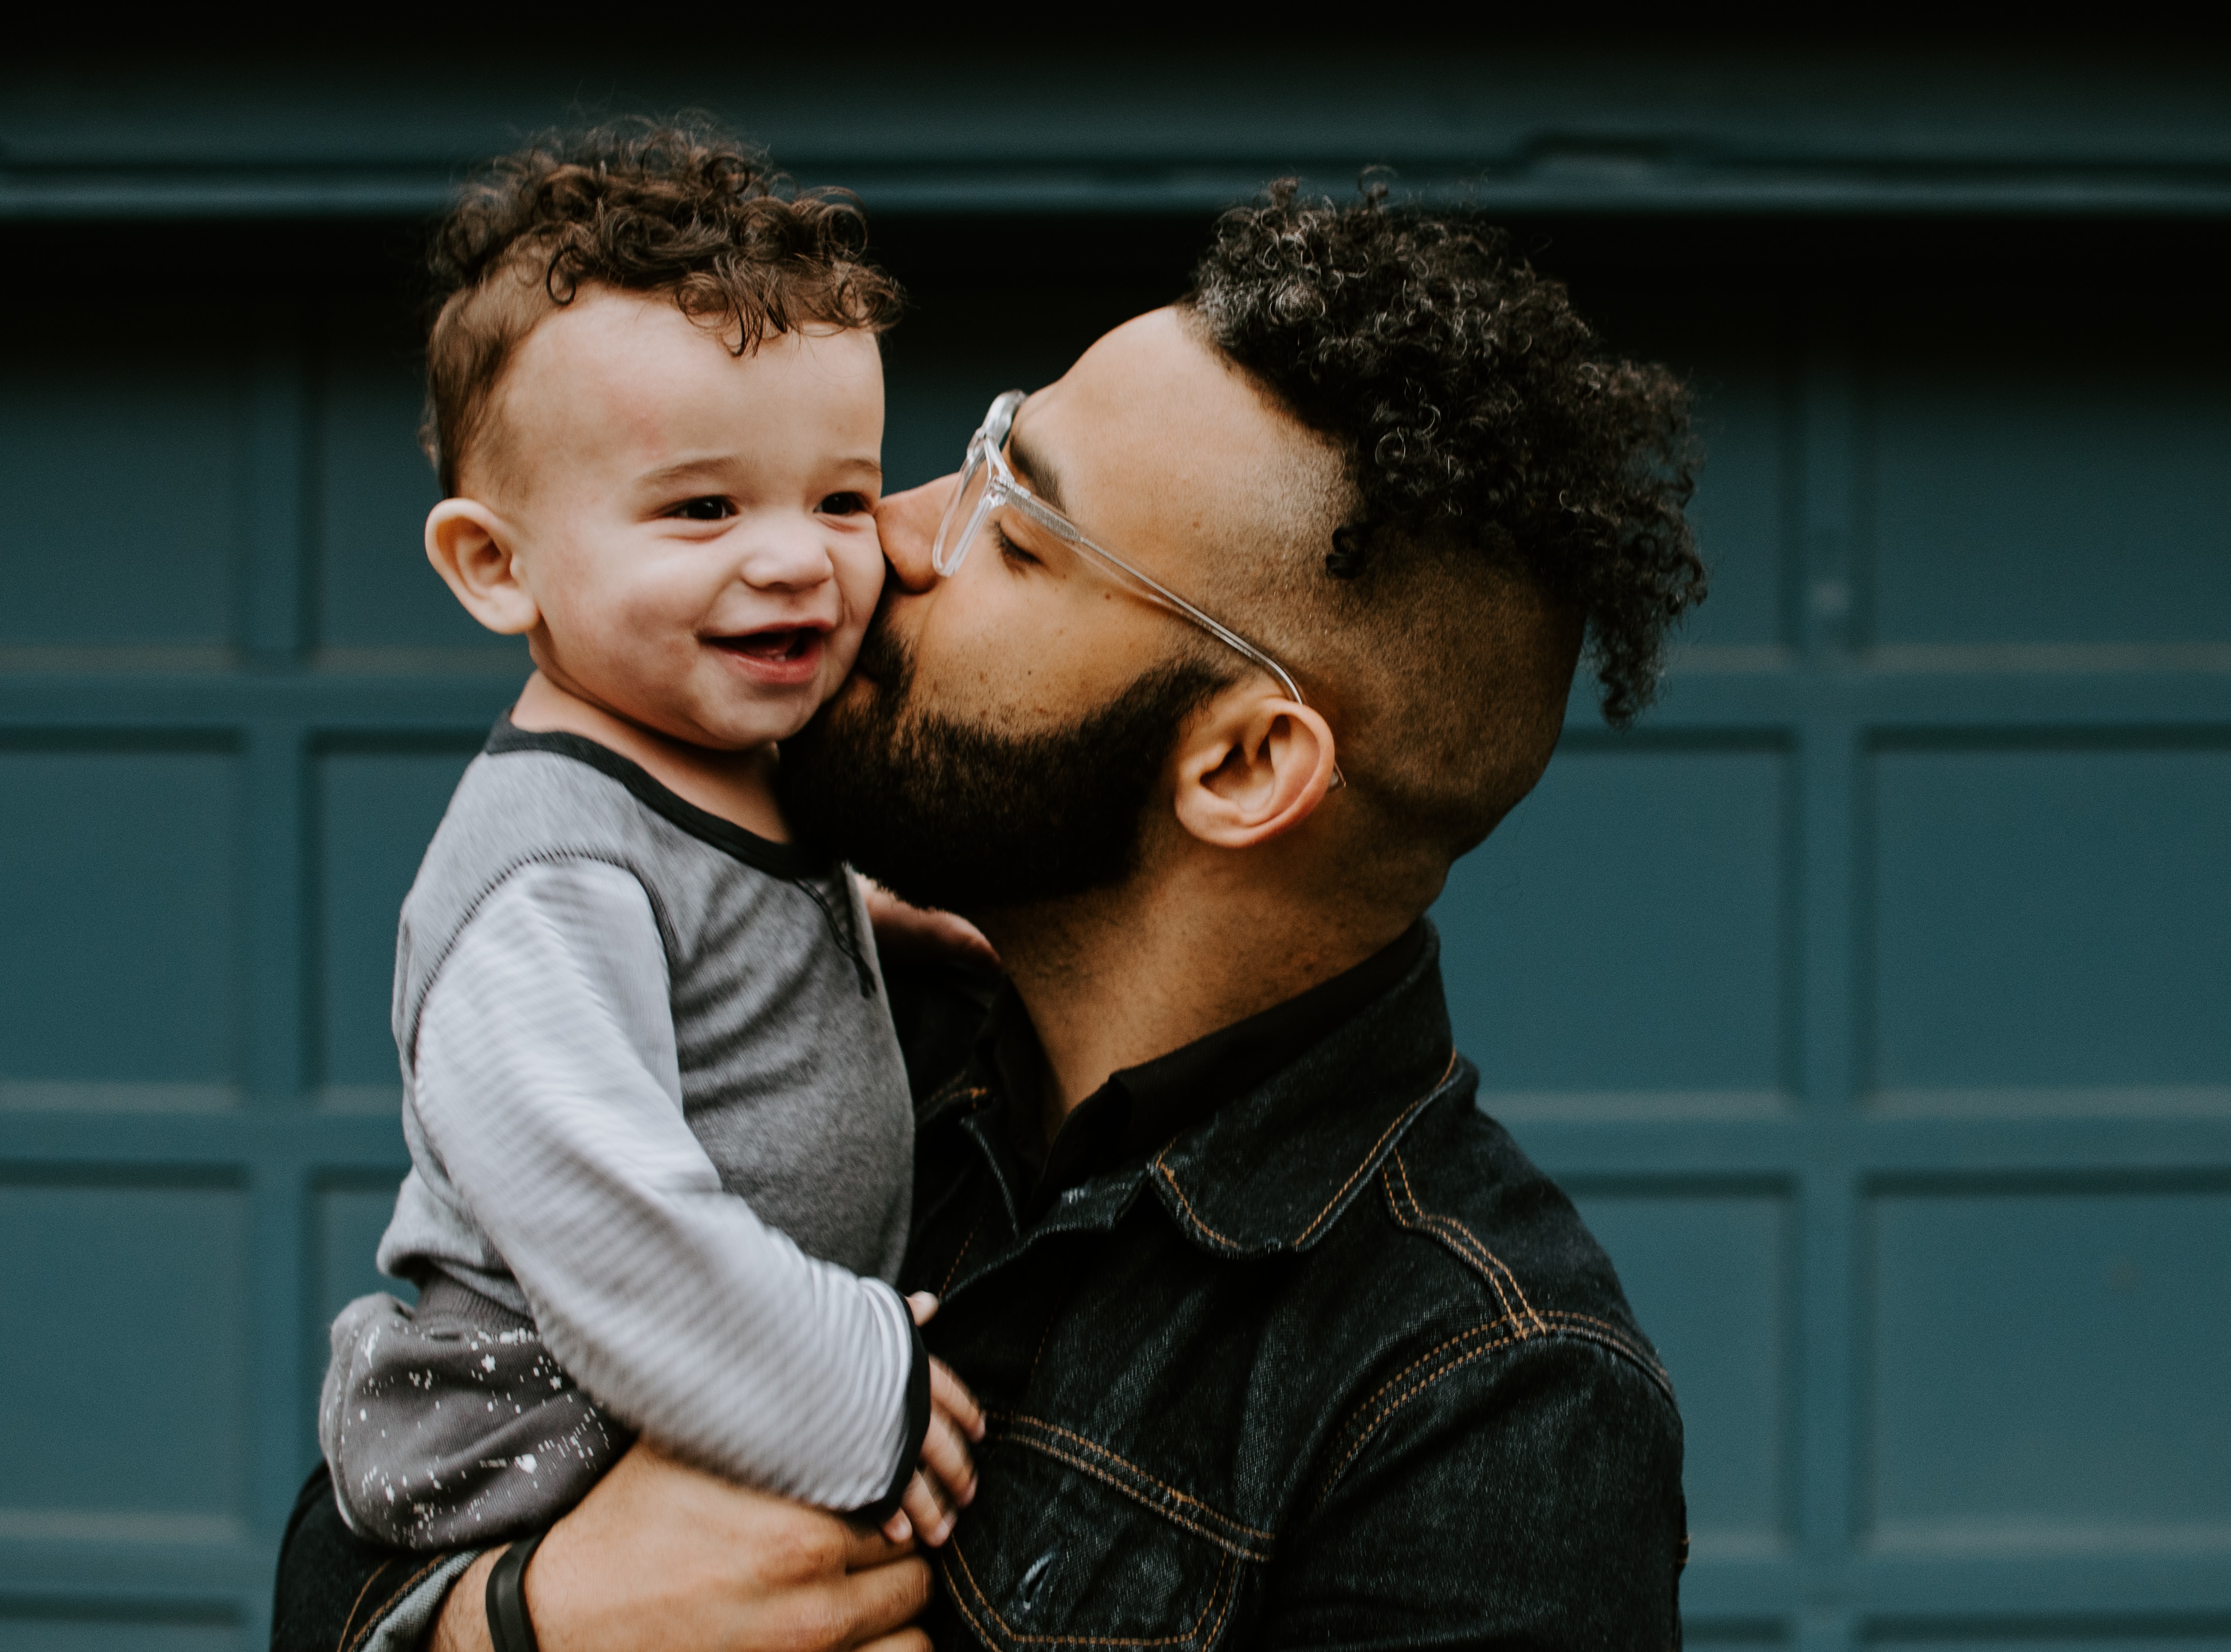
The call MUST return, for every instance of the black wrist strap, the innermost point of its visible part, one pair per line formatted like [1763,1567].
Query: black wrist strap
[917,1428]
[510,1630]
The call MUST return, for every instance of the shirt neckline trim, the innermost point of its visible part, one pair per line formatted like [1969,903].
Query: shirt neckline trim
[790,860]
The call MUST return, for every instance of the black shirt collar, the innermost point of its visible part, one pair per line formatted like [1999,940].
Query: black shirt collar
[1142,1108]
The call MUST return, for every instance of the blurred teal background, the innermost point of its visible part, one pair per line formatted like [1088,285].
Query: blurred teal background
[1873,997]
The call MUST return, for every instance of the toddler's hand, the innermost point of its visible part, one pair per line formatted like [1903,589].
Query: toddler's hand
[902,930]
[944,1482]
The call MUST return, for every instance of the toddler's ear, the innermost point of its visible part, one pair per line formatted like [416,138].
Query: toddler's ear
[470,547]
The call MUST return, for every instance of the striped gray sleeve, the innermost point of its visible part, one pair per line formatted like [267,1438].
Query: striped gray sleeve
[547,1082]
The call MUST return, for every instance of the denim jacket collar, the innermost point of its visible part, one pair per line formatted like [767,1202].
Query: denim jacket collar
[1272,1170]
[1268,1168]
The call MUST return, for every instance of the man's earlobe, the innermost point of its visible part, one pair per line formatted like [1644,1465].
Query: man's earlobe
[1252,770]
[471,548]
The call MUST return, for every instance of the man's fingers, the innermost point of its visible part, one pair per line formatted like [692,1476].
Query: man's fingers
[908,1639]
[867,1605]
[948,1393]
[865,1546]
[923,1306]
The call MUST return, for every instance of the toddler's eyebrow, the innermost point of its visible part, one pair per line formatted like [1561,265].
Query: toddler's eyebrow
[684,470]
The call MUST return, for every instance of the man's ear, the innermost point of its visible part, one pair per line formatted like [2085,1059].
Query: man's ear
[471,547]
[1251,767]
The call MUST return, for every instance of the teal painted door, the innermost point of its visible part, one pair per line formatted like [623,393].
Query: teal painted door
[1873,997]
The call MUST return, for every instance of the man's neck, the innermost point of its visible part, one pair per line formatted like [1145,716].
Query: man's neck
[737,786]
[1117,978]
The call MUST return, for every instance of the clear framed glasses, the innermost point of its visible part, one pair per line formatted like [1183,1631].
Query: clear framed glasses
[988,484]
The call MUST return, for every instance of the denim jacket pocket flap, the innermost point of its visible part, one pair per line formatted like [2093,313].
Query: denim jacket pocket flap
[1069,1546]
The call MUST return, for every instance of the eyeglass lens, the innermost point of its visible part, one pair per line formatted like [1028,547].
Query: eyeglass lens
[962,521]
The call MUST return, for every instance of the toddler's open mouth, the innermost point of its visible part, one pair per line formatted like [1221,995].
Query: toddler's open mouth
[781,654]
[784,642]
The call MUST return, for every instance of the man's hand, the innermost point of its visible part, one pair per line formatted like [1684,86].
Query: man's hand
[661,1558]
[903,931]
[945,1482]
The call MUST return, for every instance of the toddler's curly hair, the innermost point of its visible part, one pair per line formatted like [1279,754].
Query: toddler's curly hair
[679,208]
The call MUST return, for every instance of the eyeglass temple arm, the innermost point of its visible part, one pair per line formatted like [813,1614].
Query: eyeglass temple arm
[1053,521]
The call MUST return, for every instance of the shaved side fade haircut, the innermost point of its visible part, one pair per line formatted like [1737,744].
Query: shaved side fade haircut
[677,207]
[1513,490]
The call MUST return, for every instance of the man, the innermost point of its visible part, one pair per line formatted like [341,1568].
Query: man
[1188,690]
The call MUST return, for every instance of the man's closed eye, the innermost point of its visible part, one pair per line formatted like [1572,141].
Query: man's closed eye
[1011,552]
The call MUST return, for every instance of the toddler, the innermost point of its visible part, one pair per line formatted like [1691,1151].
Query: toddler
[659,1128]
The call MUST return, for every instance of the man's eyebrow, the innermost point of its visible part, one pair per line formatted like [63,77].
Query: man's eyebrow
[1031,465]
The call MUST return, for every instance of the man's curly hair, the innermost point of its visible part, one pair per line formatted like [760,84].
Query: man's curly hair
[678,208]
[1471,402]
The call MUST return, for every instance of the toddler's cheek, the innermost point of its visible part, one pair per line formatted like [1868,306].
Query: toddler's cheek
[843,650]
[861,570]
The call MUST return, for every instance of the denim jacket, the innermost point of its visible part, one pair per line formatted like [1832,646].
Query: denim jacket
[1333,1365]
[1281,1342]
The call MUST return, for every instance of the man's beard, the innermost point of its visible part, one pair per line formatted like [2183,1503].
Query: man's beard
[949,813]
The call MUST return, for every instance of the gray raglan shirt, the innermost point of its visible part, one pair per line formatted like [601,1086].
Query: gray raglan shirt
[654,1100]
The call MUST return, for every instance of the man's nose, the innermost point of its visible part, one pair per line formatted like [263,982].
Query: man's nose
[908,523]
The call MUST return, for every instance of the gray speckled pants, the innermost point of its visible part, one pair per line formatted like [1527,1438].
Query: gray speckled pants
[449,1425]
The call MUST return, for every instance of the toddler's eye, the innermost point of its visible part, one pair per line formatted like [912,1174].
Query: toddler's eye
[844,505]
[711,508]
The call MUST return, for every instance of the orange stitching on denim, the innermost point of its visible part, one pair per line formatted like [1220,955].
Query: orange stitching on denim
[1192,1215]
[1094,1446]
[358,1601]
[1083,1465]
[1458,1234]
[962,1254]
[404,1587]
[1619,1345]
[1394,1204]
[1408,1113]
[1192,1636]
[1442,1225]
[1428,1358]
[1613,1335]
[1399,1401]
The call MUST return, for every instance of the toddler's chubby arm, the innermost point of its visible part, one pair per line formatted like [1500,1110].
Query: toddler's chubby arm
[545,1082]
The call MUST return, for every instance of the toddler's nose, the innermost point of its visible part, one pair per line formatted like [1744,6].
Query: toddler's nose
[785,556]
